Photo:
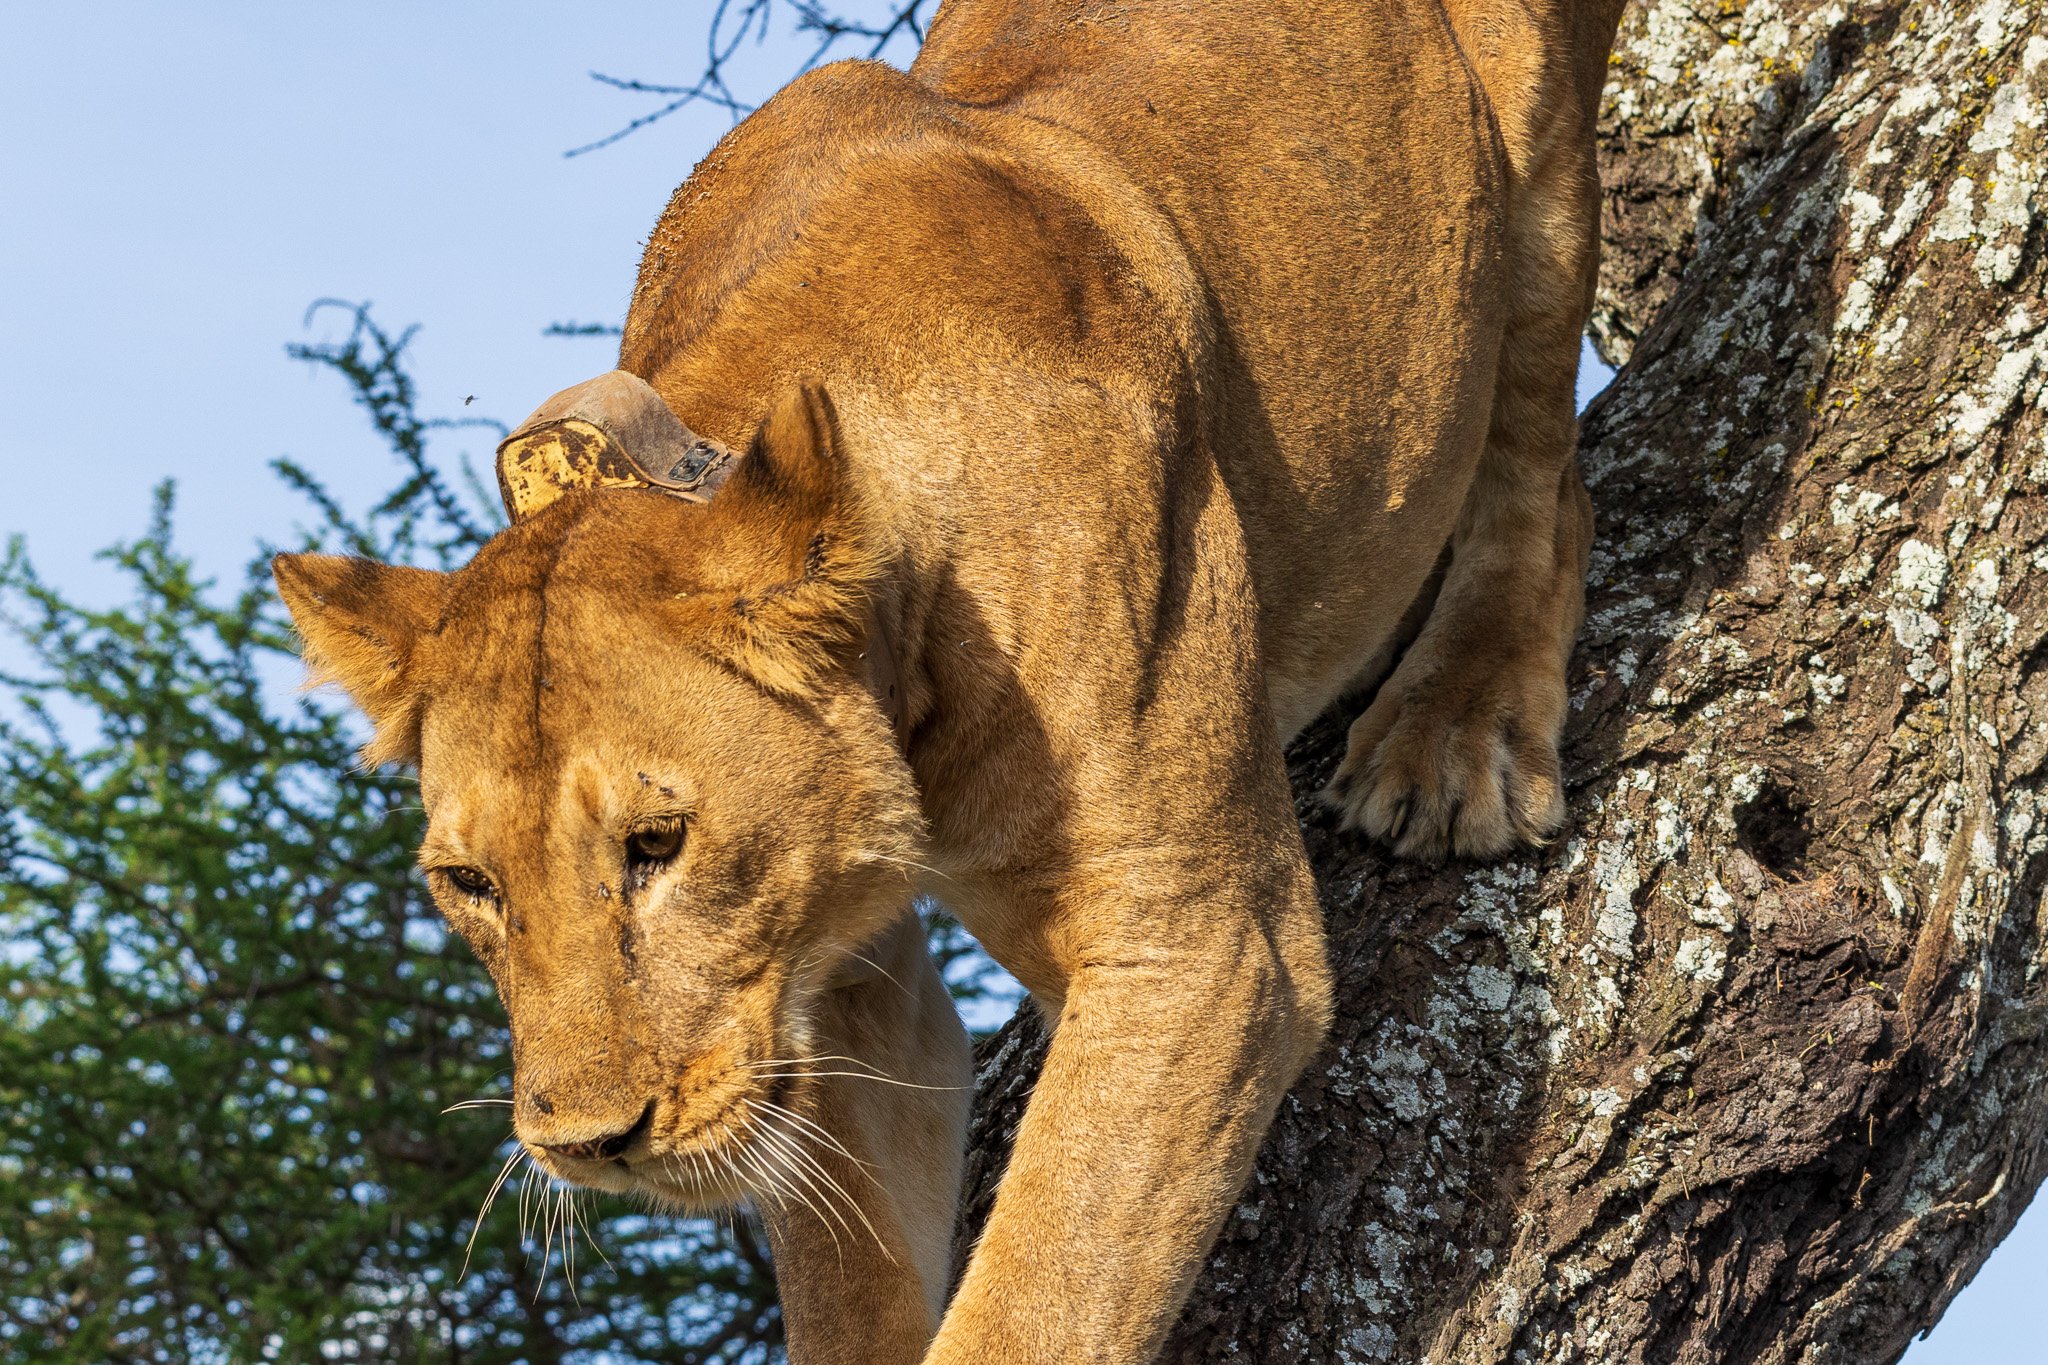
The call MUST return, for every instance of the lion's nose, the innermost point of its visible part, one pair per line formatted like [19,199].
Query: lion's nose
[604,1146]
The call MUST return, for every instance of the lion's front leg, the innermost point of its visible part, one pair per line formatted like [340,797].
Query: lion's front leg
[1198,989]
[864,1161]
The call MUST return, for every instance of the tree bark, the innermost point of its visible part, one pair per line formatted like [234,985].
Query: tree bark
[1747,1067]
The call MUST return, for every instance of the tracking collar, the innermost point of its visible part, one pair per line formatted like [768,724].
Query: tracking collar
[615,431]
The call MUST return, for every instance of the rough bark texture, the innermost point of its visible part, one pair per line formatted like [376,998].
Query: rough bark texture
[1748,1068]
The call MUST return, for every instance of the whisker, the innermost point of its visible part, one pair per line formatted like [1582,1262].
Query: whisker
[484,1210]
[854,1075]
[844,1194]
[581,1222]
[857,957]
[838,1249]
[547,1246]
[790,1151]
[525,1195]
[771,1188]
[904,862]
[532,1200]
[802,1160]
[821,1057]
[673,1168]
[562,1196]
[819,1130]
[732,1148]
[550,1203]
[475,1104]
[692,1172]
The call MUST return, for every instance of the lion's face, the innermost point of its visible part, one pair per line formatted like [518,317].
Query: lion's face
[657,880]
[661,804]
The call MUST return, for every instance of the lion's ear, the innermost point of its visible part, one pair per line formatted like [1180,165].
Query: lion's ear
[361,622]
[796,543]
[792,481]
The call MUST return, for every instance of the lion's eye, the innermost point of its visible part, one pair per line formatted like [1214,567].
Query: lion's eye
[655,843]
[470,882]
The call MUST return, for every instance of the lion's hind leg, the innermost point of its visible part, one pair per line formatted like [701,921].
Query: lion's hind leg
[1458,751]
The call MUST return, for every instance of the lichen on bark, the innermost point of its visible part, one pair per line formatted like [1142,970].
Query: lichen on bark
[1748,1067]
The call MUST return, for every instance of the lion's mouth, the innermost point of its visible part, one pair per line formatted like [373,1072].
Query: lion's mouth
[710,1164]
[679,1154]
[607,1148]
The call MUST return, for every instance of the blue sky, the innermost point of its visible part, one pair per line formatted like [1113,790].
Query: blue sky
[182,181]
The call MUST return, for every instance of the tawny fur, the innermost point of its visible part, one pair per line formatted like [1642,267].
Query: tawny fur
[1144,377]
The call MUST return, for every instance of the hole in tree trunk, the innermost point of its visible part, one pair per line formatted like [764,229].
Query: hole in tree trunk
[1775,827]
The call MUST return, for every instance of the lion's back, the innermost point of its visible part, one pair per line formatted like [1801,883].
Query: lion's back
[1329,170]
[1336,176]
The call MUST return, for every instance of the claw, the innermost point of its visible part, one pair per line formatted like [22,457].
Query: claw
[1399,821]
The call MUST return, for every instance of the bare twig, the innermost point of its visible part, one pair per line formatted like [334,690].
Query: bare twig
[732,23]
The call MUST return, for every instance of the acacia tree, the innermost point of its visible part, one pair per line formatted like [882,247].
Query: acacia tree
[1748,1067]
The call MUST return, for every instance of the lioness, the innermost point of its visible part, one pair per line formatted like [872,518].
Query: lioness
[1114,391]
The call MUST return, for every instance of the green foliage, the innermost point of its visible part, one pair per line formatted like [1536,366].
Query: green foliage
[231,1021]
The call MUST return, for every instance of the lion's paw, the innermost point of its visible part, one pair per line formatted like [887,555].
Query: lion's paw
[1456,760]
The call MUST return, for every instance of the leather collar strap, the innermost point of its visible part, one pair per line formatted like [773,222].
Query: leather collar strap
[613,431]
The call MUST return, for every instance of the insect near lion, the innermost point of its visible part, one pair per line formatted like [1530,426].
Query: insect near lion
[1082,412]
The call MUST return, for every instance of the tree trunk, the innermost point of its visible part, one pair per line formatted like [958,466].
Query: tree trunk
[1747,1068]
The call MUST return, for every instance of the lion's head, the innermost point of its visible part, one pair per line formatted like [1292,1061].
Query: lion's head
[662,802]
